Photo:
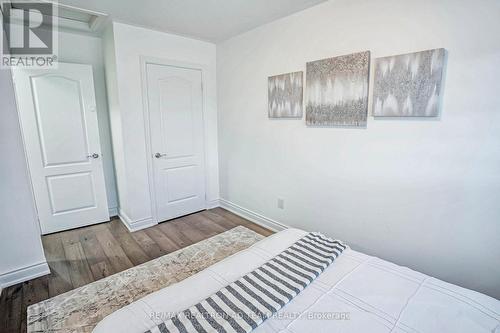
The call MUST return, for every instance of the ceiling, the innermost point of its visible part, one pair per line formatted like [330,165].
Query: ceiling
[211,20]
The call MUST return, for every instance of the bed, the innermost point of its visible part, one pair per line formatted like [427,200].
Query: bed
[357,293]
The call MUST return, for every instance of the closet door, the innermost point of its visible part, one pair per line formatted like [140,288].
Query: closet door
[58,116]
[175,104]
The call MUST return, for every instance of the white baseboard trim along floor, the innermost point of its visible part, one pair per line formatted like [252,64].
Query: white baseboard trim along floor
[135,225]
[24,274]
[252,216]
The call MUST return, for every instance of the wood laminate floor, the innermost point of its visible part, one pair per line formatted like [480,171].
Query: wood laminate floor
[81,256]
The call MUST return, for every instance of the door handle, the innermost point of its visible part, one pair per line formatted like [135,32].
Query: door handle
[94,155]
[159,155]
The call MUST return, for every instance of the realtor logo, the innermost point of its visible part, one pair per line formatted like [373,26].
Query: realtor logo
[30,33]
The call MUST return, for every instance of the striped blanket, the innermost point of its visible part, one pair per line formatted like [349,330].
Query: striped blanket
[246,303]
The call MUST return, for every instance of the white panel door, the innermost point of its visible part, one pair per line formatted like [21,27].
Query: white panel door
[57,110]
[175,105]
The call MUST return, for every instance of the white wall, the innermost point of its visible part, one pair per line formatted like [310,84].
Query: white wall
[114,114]
[128,126]
[21,252]
[84,49]
[419,192]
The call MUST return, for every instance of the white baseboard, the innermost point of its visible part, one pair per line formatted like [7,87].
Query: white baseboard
[213,204]
[253,216]
[113,211]
[24,274]
[135,225]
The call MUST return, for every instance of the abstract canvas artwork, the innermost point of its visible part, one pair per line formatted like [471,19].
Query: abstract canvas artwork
[409,85]
[285,95]
[337,91]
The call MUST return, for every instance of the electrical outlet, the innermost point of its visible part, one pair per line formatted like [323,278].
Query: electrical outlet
[281,203]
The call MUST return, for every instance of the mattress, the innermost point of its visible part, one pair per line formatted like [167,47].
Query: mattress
[357,293]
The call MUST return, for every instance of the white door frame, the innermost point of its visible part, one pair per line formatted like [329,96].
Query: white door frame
[145,61]
[25,153]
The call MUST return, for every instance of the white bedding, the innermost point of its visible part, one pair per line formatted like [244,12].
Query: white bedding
[361,293]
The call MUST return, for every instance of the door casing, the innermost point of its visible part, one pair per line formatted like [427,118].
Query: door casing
[145,61]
